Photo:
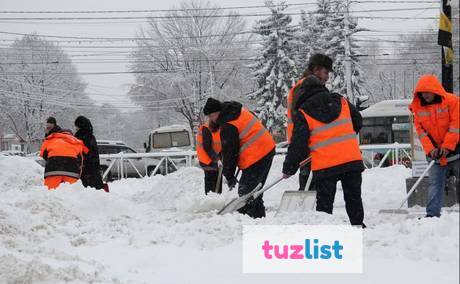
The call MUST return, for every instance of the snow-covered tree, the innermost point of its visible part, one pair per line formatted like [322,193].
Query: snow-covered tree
[37,79]
[193,55]
[324,30]
[306,41]
[275,68]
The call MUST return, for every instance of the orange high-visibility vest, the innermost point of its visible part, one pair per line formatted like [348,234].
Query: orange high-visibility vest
[255,140]
[203,157]
[335,143]
[290,108]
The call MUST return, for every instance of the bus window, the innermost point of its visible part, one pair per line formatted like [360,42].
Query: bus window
[376,134]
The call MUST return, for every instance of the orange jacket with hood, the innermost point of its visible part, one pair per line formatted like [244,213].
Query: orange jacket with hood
[437,123]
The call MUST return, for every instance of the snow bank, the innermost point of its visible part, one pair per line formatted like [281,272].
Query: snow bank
[164,230]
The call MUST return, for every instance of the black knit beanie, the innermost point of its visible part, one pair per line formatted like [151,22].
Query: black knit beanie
[212,105]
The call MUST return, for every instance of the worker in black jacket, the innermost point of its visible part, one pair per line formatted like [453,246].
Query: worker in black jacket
[246,144]
[338,122]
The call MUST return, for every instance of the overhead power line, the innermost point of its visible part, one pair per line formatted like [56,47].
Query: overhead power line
[236,15]
[196,9]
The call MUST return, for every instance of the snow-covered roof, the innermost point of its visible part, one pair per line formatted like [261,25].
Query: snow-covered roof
[111,142]
[387,108]
[170,128]
[10,136]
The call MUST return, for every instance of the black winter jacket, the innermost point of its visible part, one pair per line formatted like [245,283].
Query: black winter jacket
[316,101]
[229,137]
[91,175]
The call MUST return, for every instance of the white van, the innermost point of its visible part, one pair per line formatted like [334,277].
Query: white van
[169,138]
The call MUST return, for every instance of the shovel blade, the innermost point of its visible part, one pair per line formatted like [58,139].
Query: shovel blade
[239,202]
[297,201]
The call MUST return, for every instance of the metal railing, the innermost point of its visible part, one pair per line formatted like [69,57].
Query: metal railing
[398,153]
[150,160]
[395,151]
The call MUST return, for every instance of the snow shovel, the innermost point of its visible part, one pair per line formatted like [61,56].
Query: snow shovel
[240,202]
[414,187]
[298,201]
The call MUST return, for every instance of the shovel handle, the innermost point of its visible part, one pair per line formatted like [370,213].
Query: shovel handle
[305,162]
[259,192]
[417,182]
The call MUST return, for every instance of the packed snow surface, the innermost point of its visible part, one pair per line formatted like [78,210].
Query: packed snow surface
[163,229]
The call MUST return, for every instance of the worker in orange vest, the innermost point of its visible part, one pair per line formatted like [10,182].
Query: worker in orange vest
[208,148]
[325,128]
[63,154]
[436,119]
[316,65]
[246,144]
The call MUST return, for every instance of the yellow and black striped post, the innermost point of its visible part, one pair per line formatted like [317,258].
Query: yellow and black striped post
[445,40]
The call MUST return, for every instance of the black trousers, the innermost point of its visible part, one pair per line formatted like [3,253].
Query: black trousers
[351,184]
[210,181]
[250,178]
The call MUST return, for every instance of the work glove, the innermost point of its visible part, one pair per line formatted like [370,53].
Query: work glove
[232,183]
[443,152]
[219,164]
[434,154]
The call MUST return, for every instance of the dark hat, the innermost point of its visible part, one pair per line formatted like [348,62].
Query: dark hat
[212,105]
[321,60]
[83,123]
[51,120]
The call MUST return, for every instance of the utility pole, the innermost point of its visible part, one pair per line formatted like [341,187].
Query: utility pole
[348,56]
[445,40]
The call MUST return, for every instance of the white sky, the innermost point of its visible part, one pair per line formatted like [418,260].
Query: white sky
[109,87]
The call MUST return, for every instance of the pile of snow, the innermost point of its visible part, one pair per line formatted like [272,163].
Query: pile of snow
[163,229]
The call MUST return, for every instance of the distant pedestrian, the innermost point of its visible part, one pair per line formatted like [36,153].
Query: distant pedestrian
[63,154]
[51,126]
[91,173]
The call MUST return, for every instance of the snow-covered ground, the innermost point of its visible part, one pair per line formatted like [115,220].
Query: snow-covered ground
[164,230]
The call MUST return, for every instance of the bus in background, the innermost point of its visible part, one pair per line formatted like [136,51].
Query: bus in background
[385,123]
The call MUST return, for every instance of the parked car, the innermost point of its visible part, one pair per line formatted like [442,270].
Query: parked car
[132,167]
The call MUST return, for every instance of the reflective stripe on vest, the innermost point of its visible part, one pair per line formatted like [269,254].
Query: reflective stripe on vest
[422,135]
[335,143]
[330,125]
[62,173]
[439,110]
[252,140]
[255,141]
[454,130]
[423,113]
